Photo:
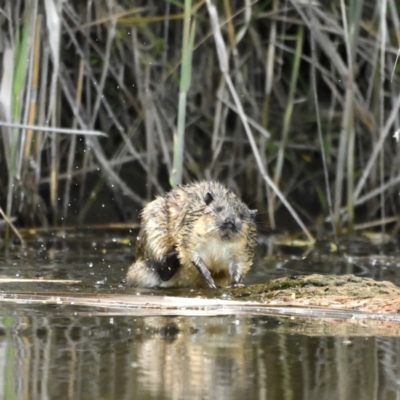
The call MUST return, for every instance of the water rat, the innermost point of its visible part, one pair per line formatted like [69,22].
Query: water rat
[197,235]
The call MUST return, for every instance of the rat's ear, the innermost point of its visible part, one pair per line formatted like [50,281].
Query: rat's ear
[253,213]
[208,198]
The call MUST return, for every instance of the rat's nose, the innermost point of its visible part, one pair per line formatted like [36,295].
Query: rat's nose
[229,223]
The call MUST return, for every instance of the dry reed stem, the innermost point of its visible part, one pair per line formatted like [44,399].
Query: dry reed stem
[223,60]
[15,230]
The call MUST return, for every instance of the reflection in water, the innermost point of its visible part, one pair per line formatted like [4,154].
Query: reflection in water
[64,353]
[230,357]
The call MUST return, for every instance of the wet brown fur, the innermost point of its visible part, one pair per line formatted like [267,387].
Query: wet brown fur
[184,240]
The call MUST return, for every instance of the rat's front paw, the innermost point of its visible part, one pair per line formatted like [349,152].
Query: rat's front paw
[235,285]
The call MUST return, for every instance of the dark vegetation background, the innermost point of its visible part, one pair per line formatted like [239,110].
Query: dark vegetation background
[314,79]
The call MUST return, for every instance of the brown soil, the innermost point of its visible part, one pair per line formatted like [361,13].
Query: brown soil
[341,292]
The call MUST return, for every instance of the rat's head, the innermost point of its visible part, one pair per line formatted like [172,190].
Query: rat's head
[227,214]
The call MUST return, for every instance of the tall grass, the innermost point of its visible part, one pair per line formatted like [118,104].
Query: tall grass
[231,97]
[189,30]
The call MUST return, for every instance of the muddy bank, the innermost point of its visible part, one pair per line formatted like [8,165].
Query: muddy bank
[342,292]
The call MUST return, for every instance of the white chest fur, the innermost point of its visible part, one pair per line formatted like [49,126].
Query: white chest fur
[217,254]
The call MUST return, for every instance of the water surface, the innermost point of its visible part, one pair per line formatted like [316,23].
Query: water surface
[68,352]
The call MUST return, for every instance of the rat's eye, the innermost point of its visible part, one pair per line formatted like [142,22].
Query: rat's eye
[241,215]
[219,209]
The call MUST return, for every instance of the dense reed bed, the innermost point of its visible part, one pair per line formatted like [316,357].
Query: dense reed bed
[293,103]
